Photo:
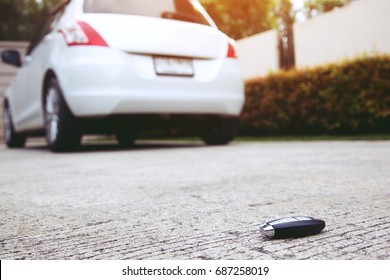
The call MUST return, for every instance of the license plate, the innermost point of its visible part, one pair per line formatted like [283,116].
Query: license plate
[173,66]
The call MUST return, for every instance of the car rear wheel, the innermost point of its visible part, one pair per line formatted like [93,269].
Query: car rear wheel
[220,130]
[11,137]
[61,129]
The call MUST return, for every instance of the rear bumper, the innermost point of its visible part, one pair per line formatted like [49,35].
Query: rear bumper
[99,82]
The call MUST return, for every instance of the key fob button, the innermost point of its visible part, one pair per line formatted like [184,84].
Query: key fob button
[281,221]
[302,218]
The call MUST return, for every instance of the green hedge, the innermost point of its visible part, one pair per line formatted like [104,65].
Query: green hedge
[348,98]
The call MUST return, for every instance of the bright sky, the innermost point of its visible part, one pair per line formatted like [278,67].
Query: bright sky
[298,3]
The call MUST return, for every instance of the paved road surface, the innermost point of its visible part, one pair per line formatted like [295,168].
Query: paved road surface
[169,200]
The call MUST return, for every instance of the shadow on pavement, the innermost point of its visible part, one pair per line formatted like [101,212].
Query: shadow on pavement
[112,146]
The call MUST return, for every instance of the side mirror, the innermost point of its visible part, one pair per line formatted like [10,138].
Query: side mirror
[11,57]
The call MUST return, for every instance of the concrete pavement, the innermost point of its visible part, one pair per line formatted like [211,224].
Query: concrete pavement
[183,200]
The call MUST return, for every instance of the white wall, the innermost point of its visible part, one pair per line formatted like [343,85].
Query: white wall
[360,28]
[258,54]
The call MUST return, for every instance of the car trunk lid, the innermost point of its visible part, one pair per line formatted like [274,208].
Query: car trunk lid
[157,36]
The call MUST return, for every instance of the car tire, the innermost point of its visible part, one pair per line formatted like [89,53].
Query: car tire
[220,131]
[11,138]
[61,129]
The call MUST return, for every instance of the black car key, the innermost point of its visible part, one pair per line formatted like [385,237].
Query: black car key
[292,227]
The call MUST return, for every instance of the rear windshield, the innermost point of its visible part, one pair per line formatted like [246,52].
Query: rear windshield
[183,10]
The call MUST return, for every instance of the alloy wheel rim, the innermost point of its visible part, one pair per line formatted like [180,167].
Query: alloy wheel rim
[52,118]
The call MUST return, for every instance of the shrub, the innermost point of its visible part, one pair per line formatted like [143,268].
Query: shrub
[347,98]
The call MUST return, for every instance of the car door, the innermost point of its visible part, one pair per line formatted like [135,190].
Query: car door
[27,86]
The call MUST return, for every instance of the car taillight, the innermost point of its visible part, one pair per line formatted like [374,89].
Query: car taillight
[232,51]
[80,33]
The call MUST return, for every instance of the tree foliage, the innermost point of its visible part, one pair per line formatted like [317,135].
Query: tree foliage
[313,7]
[241,18]
[20,18]
[236,18]
[283,13]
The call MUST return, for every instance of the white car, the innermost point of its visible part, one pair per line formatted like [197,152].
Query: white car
[121,67]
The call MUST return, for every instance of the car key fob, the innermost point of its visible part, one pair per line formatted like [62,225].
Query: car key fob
[292,227]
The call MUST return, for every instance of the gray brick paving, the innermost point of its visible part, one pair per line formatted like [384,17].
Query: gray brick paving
[171,200]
